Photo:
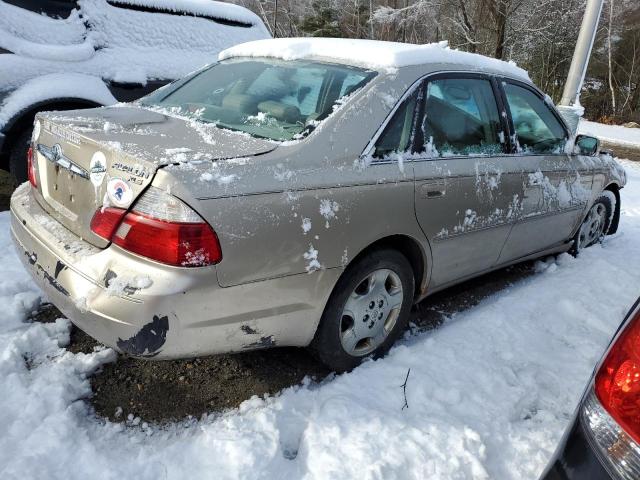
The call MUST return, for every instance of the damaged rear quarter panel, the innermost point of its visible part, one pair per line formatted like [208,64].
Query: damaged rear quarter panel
[269,234]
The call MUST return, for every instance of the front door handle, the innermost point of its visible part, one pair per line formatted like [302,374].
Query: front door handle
[433,189]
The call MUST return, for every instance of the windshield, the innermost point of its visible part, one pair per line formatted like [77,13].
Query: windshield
[265,98]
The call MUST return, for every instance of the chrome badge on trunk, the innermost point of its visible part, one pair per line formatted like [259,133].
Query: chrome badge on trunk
[56,155]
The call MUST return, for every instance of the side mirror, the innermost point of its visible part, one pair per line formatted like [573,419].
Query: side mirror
[586,145]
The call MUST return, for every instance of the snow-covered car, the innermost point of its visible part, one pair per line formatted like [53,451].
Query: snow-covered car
[63,55]
[603,440]
[302,192]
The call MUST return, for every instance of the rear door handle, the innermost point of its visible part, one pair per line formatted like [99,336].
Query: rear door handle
[433,189]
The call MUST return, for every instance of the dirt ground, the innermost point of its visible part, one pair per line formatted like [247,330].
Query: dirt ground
[623,151]
[161,391]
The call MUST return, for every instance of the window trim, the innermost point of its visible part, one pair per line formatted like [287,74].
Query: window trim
[419,91]
[422,82]
[370,148]
[512,131]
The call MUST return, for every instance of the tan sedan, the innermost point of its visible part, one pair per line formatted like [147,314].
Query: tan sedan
[311,201]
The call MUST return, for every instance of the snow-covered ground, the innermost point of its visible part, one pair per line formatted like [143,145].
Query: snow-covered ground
[489,393]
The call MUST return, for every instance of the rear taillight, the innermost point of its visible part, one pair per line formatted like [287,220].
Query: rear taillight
[617,383]
[31,168]
[611,409]
[106,220]
[162,228]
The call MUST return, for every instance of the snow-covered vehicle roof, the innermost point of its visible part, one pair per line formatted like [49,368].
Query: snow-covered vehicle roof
[105,42]
[374,54]
[206,8]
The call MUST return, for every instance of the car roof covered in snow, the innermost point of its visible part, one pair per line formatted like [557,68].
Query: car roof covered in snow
[373,54]
[208,8]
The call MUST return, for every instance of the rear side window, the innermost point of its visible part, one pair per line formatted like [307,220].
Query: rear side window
[537,128]
[398,134]
[461,118]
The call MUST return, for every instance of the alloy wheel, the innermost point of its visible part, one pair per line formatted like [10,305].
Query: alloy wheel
[592,229]
[371,312]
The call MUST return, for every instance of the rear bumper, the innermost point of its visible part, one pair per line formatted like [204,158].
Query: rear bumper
[575,458]
[183,313]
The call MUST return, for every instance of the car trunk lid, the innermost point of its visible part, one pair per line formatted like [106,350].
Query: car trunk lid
[90,158]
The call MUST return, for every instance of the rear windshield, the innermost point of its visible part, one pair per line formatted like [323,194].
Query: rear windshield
[270,99]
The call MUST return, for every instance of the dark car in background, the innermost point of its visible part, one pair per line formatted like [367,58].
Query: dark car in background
[603,441]
[69,54]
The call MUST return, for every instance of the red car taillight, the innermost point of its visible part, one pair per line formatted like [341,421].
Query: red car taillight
[611,408]
[106,220]
[617,383]
[162,228]
[31,168]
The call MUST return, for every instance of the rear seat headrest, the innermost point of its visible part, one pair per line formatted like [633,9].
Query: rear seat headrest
[281,111]
[241,103]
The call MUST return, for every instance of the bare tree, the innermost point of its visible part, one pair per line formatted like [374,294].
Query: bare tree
[613,92]
[538,35]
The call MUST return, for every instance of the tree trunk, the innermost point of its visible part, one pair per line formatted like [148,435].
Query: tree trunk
[613,92]
[501,27]
[371,19]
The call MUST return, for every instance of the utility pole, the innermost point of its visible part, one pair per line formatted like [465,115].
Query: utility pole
[581,54]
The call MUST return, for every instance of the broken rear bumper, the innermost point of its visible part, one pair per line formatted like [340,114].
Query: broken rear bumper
[183,313]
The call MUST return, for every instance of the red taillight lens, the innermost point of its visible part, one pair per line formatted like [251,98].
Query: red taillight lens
[106,220]
[160,227]
[174,243]
[31,168]
[617,383]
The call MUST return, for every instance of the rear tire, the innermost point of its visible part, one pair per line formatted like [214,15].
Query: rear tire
[367,311]
[18,155]
[596,224]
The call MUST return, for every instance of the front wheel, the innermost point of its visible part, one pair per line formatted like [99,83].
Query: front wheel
[367,311]
[596,224]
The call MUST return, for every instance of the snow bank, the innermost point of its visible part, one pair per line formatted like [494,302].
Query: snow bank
[611,133]
[489,392]
[370,53]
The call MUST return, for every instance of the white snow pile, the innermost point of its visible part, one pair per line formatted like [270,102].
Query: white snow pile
[611,133]
[370,53]
[489,393]
[124,284]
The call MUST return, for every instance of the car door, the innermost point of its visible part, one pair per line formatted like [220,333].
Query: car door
[463,195]
[556,185]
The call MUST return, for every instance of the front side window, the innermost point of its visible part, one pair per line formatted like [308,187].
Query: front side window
[461,118]
[537,128]
[265,98]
